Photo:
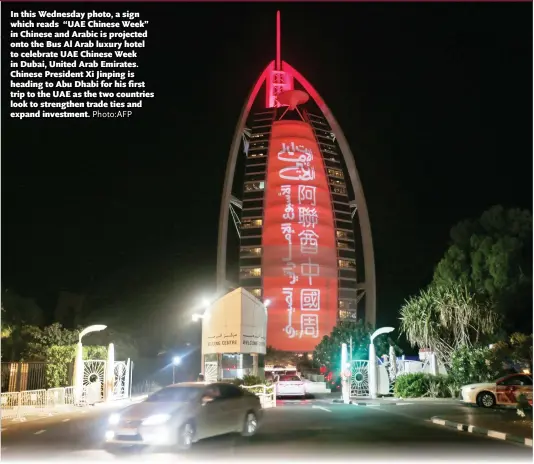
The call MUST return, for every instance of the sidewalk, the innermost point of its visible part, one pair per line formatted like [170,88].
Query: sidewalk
[496,423]
[30,414]
[390,401]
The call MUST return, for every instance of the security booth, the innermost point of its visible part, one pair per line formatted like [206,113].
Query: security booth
[234,330]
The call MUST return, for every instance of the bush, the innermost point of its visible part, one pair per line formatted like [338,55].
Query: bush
[471,365]
[419,384]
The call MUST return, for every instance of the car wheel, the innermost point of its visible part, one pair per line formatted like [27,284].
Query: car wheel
[186,436]
[486,399]
[250,425]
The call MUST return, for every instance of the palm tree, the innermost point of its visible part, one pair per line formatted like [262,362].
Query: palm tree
[445,318]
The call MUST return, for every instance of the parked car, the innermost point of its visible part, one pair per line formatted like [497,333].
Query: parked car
[290,385]
[504,391]
[181,414]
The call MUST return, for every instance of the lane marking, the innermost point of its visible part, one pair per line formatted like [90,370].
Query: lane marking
[3,429]
[321,408]
[39,432]
[404,404]
[65,420]
[528,441]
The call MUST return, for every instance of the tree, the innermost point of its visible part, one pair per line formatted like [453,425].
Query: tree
[17,312]
[515,351]
[444,319]
[328,352]
[7,329]
[492,258]
[40,340]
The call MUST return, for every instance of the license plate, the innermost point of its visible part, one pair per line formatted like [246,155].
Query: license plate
[128,431]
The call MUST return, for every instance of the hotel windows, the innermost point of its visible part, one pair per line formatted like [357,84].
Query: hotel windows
[250,272]
[335,173]
[251,186]
[342,244]
[340,190]
[248,251]
[342,234]
[251,223]
[346,263]
[344,315]
[256,292]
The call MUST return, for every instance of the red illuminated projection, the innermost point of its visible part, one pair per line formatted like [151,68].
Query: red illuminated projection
[299,246]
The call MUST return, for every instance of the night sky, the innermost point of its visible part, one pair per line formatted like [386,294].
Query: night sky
[434,99]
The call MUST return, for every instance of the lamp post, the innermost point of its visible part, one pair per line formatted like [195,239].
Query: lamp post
[373,374]
[197,317]
[78,364]
[345,374]
[175,362]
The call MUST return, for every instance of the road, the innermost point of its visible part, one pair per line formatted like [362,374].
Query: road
[301,430]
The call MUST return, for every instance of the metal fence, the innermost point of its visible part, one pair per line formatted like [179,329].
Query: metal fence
[267,394]
[23,376]
[17,405]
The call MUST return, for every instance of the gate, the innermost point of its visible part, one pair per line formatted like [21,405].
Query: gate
[94,380]
[121,385]
[211,371]
[95,377]
[359,379]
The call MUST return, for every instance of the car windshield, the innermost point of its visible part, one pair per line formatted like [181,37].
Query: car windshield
[289,378]
[174,395]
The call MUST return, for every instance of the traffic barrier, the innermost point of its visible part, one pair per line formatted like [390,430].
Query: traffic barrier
[266,394]
[19,405]
[10,405]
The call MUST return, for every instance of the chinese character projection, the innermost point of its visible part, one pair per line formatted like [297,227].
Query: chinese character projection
[299,247]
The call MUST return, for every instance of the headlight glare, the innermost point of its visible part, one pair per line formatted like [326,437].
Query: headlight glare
[156,419]
[114,419]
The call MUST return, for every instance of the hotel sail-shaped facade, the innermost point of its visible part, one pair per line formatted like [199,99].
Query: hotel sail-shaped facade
[296,214]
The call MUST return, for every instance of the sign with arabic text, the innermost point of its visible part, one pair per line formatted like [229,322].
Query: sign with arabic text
[299,247]
[235,323]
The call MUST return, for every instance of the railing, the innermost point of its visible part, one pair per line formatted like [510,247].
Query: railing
[23,376]
[266,394]
[16,405]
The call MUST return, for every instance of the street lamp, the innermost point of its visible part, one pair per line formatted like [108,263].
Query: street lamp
[78,364]
[176,360]
[373,387]
[91,328]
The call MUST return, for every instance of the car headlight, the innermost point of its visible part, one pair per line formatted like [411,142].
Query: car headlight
[114,419]
[156,419]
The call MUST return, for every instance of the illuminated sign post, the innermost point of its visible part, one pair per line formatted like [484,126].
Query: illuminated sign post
[299,246]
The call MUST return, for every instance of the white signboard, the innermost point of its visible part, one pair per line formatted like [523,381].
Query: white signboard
[236,323]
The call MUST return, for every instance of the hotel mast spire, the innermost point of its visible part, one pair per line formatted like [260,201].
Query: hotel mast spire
[278,39]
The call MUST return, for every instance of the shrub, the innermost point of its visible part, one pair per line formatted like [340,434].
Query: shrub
[419,384]
[473,365]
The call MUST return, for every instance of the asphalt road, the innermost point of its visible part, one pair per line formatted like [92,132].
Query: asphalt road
[297,431]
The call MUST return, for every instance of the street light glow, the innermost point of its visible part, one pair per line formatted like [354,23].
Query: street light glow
[267,302]
[206,303]
[197,317]
[176,360]
[91,328]
[381,331]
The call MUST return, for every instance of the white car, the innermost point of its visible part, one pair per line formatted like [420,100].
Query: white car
[290,385]
[182,414]
[504,391]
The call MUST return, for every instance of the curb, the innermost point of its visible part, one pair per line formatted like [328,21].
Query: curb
[482,431]
[370,405]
